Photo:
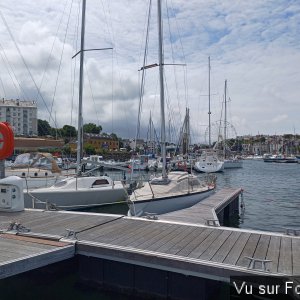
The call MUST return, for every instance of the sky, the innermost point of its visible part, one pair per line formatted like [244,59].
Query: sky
[254,45]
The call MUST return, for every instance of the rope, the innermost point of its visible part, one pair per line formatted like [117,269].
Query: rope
[24,62]
[60,62]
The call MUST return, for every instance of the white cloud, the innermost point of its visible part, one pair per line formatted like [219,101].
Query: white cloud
[252,44]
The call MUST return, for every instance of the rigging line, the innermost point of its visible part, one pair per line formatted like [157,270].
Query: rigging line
[60,62]
[23,60]
[9,75]
[73,74]
[170,110]
[173,59]
[112,91]
[116,58]
[10,70]
[181,44]
[92,94]
[51,51]
[143,73]
[3,87]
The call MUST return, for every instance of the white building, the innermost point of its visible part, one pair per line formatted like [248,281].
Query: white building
[21,115]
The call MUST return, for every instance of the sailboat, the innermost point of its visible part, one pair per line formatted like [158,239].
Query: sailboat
[209,161]
[229,162]
[36,169]
[173,191]
[182,162]
[81,191]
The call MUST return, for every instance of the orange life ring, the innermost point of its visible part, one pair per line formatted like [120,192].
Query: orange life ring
[6,140]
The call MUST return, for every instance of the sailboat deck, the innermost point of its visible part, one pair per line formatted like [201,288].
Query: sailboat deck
[173,188]
[203,251]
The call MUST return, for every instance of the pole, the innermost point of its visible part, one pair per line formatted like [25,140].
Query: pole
[209,112]
[161,81]
[225,118]
[79,136]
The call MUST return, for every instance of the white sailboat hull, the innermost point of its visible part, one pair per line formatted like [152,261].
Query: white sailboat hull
[209,167]
[73,197]
[166,204]
[161,195]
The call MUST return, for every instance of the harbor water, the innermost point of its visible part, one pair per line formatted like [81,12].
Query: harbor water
[272,203]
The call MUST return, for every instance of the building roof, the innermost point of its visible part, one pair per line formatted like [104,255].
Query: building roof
[17,102]
[35,143]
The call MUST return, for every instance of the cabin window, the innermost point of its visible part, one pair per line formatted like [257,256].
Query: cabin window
[100,182]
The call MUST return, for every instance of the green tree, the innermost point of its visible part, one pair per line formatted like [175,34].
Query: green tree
[92,128]
[89,149]
[69,131]
[44,128]
[114,136]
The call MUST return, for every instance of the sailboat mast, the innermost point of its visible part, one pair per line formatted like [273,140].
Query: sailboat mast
[225,118]
[79,135]
[161,83]
[209,112]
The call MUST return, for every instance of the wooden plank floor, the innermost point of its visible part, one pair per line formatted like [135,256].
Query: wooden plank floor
[205,210]
[212,252]
[21,254]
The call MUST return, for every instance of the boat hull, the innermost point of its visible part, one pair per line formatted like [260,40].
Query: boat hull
[76,199]
[166,204]
[208,167]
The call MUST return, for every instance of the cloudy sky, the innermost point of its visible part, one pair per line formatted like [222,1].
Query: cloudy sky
[253,44]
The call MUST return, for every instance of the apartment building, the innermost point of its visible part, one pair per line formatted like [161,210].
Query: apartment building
[22,116]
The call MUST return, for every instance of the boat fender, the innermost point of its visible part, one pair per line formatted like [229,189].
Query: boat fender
[6,140]
[35,174]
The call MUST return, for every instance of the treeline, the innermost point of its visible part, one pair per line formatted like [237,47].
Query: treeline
[68,132]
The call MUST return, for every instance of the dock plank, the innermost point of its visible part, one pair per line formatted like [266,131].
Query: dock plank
[237,249]
[285,256]
[273,253]
[195,242]
[226,247]
[215,245]
[146,235]
[205,244]
[175,238]
[154,241]
[93,234]
[195,231]
[138,236]
[296,256]
[248,250]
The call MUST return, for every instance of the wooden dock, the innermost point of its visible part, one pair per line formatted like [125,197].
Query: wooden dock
[209,211]
[125,251]
[20,253]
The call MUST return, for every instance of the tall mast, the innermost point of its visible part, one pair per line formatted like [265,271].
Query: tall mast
[161,83]
[209,112]
[225,119]
[79,136]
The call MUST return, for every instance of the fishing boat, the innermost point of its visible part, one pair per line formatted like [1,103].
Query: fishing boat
[81,190]
[175,190]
